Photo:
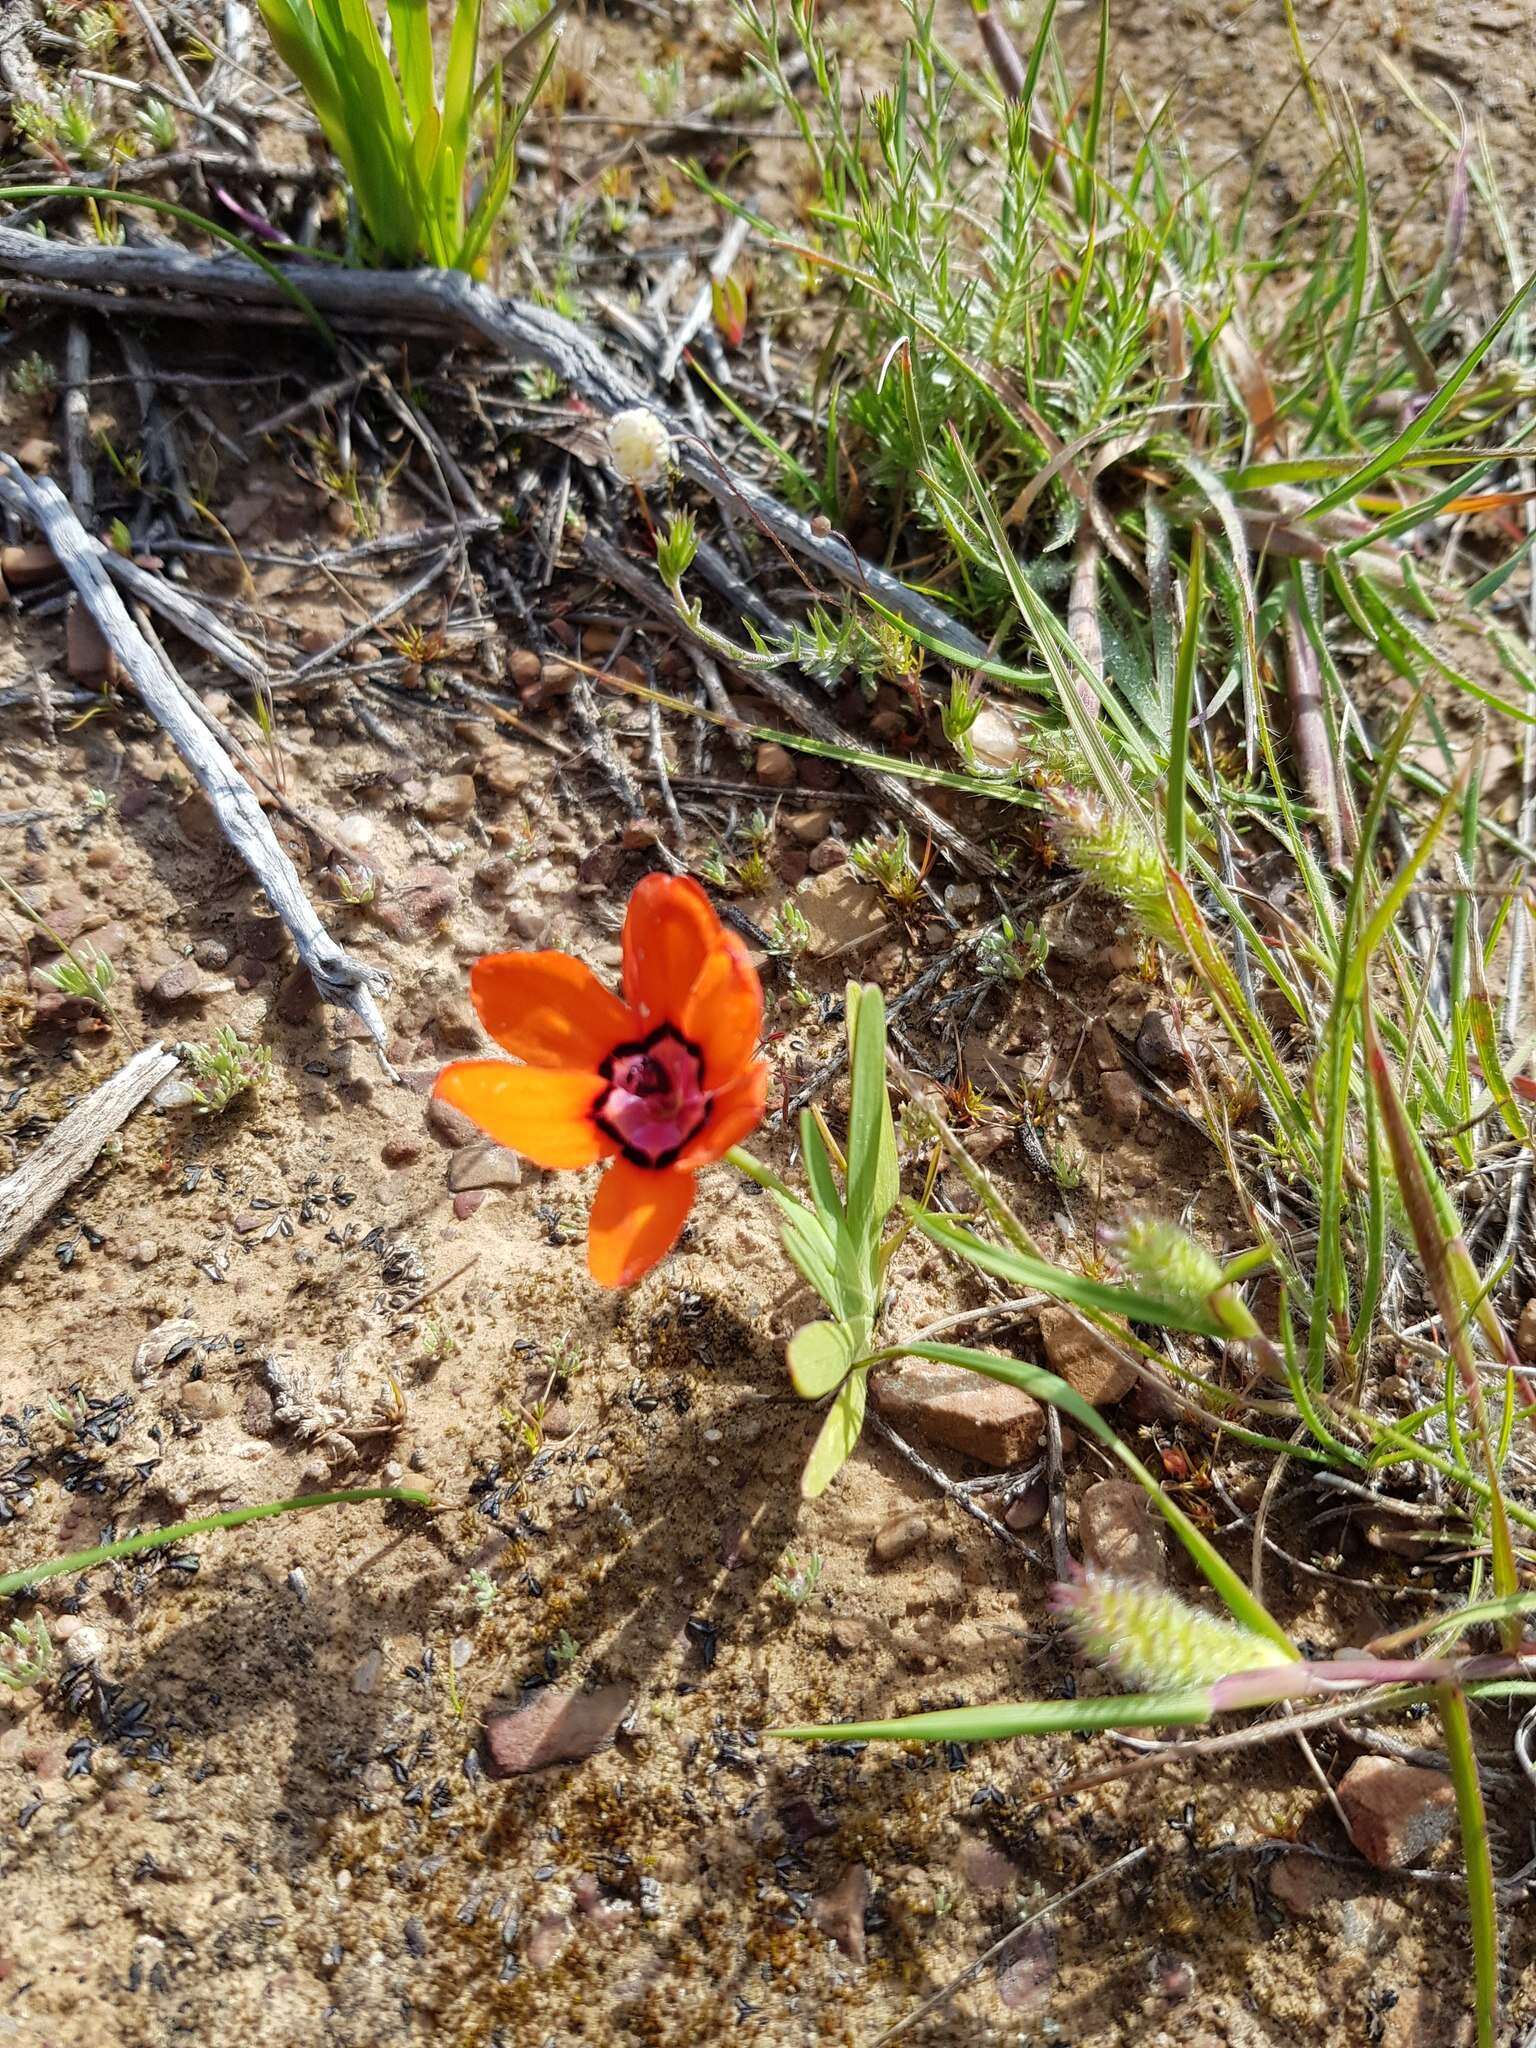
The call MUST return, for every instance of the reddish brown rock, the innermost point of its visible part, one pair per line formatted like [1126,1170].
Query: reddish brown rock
[1397,1812]
[450,1126]
[839,1913]
[1118,1529]
[24,567]
[1088,1363]
[774,765]
[900,1537]
[86,654]
[448,797]
[966,1412]
[554,1727]
[1121,1098]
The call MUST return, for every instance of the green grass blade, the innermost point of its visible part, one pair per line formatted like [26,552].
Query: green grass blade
[1417,430]
[1482,1899]
[233,1518]
[1096,1296]
[1183,702]
[1453,1280]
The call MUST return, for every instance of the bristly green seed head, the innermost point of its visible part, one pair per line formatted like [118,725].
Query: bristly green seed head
[1164,1260]
[1111,849]
[1152,1640]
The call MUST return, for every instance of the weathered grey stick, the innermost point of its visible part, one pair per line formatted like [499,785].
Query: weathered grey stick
[339,978]
[456,305]
[698,312]
[193,620]
[71,1148]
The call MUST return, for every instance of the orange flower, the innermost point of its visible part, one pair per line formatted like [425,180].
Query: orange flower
[661,1083]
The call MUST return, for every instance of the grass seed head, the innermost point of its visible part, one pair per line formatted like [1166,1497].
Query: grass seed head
[1151,1639]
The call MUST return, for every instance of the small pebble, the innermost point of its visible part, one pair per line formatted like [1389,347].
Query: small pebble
[84,1646]
[367,1671]
[1027,1509]
[900,1537]
[448,797]
[774,765]
[484,1164]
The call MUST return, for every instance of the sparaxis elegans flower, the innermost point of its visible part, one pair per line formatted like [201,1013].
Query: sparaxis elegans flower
[661,1082]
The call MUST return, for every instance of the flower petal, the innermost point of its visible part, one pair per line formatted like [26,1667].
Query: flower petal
[722,1014]
[543,1112]
[548,1009]
[733,1115]
[637,1218]
[670,933]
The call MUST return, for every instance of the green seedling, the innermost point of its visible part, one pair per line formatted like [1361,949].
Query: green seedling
[799,1578]
[837,1243]
[87,975]
[226,1070]
[26,1654]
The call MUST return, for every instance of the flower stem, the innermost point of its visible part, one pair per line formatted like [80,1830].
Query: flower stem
[234,1518]
[754,1169]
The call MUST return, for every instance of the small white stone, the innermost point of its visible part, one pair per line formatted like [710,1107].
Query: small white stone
[85,1646]
[639,446]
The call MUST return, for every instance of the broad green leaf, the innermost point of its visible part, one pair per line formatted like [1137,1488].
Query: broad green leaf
[818,1171]
[819,1356]
[873,1182]
[809,1248]
[1006,1722]
[413,55]
[857,1270]
[839,1434]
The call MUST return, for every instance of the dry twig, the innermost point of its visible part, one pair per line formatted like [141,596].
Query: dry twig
[339,978]
[72,1148]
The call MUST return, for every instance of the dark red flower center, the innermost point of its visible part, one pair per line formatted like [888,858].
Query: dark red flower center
[655,1100]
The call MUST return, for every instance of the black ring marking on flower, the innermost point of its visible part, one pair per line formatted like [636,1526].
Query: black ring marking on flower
[637,1048]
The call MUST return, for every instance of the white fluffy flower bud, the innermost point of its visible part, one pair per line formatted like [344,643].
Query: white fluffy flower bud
[639,446]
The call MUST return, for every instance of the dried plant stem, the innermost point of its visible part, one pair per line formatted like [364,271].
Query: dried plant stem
[339,978]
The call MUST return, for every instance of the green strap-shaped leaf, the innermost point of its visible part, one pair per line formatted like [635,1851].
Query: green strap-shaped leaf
[873,1181]
[413,55]
[839,1434]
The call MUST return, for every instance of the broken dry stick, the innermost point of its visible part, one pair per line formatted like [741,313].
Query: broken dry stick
[71,1148]
[339,978]
[448,302]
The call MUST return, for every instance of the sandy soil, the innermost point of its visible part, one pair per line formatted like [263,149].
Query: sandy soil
[262,1814]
